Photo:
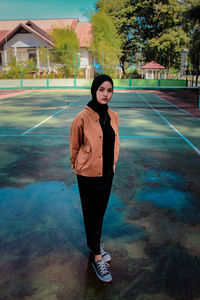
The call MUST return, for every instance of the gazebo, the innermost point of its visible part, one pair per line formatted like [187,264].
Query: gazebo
[152,70]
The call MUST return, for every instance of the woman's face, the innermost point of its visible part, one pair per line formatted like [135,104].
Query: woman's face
[104,92]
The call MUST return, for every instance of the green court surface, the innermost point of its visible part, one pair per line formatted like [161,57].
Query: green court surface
[152,224]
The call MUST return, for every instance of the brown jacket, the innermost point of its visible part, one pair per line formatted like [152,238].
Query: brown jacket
[86,142]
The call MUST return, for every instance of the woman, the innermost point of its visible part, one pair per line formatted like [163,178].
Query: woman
[94,145]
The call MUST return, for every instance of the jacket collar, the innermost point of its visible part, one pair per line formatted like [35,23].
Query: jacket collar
[93,113]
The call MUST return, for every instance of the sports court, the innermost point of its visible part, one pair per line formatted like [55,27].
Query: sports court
[152,224]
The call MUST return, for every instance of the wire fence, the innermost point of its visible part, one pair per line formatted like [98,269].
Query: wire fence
[42,68]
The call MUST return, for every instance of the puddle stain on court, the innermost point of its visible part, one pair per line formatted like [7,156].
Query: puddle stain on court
[42,238]
[167,189]
[151,227]
[43,251]
[33,159]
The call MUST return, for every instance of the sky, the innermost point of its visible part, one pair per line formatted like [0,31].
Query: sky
[45,9]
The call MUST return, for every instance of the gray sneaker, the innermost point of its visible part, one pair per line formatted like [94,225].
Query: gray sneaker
[105,255]
[101,270]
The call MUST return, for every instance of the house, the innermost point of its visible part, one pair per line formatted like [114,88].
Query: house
[23,38]
[152,70]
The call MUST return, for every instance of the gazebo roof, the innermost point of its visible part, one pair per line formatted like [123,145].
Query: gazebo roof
[153,65]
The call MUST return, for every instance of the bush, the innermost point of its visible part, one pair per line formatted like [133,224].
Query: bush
[14,70]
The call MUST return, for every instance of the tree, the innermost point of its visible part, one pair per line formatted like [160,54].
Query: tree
[106,45]
[66,47]
[167,47]
[148,25]
[169,38]
[192,14]
[122,15]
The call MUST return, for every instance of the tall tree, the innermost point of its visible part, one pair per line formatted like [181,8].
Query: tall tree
[192,16]
[122,14]
[141,23]
[169,39]
[106,45]
[65,49]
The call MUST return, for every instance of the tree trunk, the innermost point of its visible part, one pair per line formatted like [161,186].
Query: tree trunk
[197,75]
[122,60]
[192,77]
[197,71]
[169,65]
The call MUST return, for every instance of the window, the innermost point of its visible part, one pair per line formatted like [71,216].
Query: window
[32,54]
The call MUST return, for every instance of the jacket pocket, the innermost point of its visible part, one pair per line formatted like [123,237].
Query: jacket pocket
[83,157]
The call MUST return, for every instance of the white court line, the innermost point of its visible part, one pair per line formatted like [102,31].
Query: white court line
[120,136]
[149,137]
[174,128]
[24,133]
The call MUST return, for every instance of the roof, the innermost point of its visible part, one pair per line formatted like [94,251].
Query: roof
[49,24]
[3,34]
[153,65]
[27,28]
[43,28]
[84,34]
[45,24]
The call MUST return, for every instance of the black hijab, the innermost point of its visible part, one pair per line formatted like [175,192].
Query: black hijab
[101,109]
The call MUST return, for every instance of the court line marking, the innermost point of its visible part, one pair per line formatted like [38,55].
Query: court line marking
[14,95]
[149,137]
[33,135]
[172,104]
[174,128]
[68,106]
[120,136]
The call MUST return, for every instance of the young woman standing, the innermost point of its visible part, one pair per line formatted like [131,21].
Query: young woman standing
[94,145]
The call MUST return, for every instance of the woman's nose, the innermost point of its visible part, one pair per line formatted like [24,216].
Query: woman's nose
[105,92]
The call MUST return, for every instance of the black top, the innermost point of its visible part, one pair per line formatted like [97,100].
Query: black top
[108,143]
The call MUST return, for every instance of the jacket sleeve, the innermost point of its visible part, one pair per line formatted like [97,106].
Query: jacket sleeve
[76,139]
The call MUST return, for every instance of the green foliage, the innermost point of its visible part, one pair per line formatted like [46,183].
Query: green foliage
[193,12]
[169,45]
[122,14]
[153,26]
[169,39]
[106,43]
[133,72]
[192,17]
[64,54]
[43,56]
[14,69]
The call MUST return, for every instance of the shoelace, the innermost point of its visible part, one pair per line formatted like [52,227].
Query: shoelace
[102,267]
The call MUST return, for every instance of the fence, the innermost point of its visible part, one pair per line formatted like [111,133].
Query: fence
[41,68]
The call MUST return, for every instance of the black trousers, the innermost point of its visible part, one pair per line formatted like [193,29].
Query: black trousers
[94,194]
